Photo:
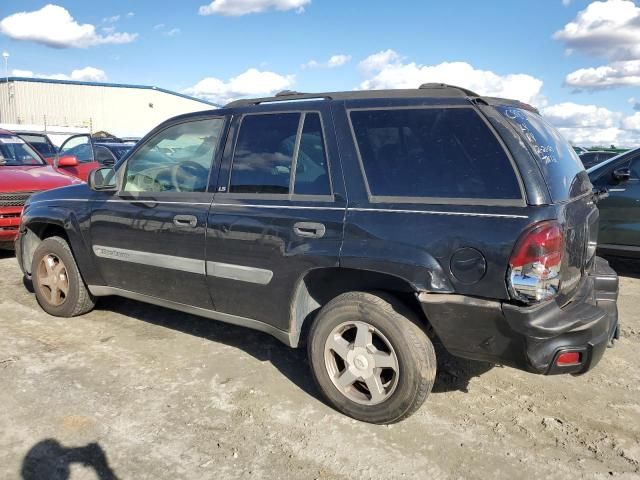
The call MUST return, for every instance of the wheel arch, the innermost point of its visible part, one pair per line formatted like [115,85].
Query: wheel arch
[38,226]
[317,287]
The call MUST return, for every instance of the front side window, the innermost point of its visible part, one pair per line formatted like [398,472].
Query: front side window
[432,153]
[80,147]
[16,152]
[178,159]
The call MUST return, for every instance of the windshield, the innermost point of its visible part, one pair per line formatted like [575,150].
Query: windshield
[561,167]
[16,152]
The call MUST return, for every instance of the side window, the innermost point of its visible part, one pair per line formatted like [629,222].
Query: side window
[79,147]
[635,167]
[432,152]
[312,172]
[177,159]
[104,156]
[263,155]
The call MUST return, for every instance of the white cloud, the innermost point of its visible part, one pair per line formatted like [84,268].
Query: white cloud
[21,73]
[338,60]
[159,26]
[333,62]
[566,3]
[632,123]
[252,83]
[130,14]
[236,8]
[609,29]
[379,61]
[593,125]
[112,19]
[386,69]
[616,74]
[54,26]
[86,74]
[173,32]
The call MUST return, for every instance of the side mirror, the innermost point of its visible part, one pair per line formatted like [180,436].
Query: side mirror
[67,161]
[103,179]
[621,174]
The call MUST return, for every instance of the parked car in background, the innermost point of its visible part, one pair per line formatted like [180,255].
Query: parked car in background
[80,154]
[579,150]
[620,211]
[362,224]
[39,141]
[589,159]
[23,172]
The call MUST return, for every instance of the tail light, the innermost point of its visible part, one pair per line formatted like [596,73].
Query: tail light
[534,273]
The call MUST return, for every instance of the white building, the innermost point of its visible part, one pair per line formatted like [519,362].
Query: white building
[63,107]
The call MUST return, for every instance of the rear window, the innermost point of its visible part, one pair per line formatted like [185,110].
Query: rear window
[560,165]
[432,153]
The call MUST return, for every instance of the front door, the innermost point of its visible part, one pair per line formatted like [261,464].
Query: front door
[620,212]
[149,238]
[277,214]
[81,147]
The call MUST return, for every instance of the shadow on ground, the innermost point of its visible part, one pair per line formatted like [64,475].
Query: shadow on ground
[49,460]
[625,267]
[6,253]
[454,373]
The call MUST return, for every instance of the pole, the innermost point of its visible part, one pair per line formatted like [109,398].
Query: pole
[5,55]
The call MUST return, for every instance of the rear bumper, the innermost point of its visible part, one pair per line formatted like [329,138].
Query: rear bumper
[531,338]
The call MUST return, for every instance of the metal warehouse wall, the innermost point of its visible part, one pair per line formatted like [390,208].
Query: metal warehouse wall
[124,111]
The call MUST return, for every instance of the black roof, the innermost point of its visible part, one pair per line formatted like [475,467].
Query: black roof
[430,90]
[427,90]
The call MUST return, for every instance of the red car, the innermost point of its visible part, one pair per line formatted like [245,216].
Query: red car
[78,156]
[22,173]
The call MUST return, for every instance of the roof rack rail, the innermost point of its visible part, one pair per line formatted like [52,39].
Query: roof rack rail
[287,93]
[283,96]
[428,86]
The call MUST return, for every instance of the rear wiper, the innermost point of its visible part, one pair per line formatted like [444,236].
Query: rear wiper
[599,193]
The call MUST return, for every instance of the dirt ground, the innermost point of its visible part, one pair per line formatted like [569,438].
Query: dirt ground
[132,391]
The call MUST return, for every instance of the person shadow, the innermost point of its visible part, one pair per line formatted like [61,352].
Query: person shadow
[49,460]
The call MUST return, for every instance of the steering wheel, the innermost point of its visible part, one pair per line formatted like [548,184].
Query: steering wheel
[188,173]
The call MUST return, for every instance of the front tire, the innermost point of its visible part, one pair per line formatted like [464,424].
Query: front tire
[370,357]
[57,282]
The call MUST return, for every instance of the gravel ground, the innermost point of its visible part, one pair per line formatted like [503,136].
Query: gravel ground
[132,391]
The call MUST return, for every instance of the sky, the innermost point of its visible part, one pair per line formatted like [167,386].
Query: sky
[578,61]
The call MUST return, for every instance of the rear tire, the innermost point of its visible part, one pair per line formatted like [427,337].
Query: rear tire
[57,282]
[370,357]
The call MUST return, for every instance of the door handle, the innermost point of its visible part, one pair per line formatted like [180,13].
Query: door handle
[185,221]
[309,229]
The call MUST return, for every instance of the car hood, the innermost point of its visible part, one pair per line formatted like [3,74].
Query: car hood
[33,178]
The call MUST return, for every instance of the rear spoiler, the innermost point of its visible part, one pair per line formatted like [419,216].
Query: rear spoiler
[494,101]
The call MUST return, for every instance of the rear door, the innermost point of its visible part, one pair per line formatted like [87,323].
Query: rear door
[278,211]
[149,238]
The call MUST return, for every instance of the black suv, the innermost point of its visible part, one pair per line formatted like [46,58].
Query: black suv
[363,224]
